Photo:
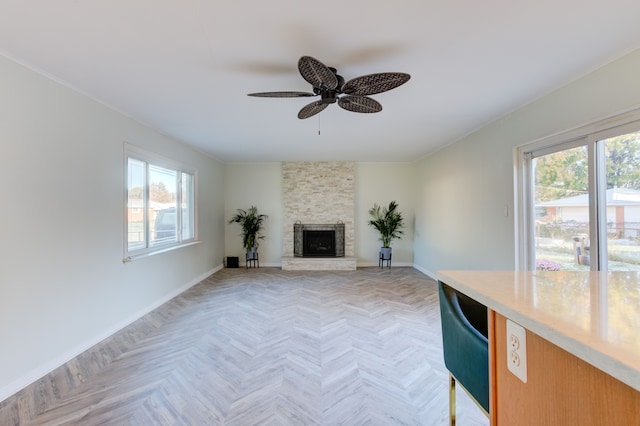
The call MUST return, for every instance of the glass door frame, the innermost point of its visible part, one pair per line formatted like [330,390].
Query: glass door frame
[588,136]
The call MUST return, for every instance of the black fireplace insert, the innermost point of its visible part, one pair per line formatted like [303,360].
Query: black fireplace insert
[319,243]
[313,240]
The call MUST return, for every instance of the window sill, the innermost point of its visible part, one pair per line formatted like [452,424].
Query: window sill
[131,258]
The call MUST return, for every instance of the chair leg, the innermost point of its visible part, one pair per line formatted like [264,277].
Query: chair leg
[452,400]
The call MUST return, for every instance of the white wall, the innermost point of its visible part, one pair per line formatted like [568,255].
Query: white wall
[381,183]
[260,184]
[63,285]
[463,190]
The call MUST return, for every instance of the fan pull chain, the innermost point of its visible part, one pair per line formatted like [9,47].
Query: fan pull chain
[318,124]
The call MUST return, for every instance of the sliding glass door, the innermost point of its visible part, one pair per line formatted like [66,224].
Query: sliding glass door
[582,203]
[561,210]
[622,201]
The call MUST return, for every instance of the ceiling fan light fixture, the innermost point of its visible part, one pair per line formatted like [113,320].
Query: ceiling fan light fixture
[327,83]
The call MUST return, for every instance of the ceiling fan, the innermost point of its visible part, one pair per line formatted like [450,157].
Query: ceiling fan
[331,87]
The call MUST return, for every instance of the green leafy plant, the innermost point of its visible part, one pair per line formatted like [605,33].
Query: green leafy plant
[251,222]
[387,221]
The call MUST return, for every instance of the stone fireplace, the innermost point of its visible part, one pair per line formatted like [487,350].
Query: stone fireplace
[318,196]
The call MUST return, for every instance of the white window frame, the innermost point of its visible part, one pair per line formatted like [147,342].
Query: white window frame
[587,135]
[150,158]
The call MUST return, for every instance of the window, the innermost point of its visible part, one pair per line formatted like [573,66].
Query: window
[580,201]
[160,204]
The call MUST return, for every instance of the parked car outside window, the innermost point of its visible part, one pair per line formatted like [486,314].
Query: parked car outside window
[165,226]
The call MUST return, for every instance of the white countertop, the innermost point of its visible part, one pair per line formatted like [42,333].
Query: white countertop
[593,315]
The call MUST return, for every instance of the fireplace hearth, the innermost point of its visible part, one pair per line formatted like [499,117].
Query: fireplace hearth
[318,240]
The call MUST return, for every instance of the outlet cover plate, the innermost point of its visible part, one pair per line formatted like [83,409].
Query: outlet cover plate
[517,350]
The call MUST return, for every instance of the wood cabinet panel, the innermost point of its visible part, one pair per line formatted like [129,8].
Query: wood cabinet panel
[561,389]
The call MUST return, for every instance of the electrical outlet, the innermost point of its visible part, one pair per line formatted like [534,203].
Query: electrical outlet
[517,350]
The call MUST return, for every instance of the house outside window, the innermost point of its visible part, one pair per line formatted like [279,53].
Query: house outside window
[160,204]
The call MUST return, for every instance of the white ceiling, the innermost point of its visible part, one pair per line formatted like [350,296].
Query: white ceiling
[184,67]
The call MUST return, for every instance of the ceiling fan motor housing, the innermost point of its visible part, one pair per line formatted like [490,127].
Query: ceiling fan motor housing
[330,96]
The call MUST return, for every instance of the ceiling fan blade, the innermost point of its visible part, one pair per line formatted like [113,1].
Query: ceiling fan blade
[316,73]
[375,83]
[311,109]
[359,104]
[281,94]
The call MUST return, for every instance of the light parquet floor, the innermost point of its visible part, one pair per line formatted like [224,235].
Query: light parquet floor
[264,347]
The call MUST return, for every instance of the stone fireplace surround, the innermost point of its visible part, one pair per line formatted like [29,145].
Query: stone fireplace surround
[318,193]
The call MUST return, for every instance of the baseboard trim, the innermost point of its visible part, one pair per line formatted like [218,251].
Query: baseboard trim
[358,265]
[43,370]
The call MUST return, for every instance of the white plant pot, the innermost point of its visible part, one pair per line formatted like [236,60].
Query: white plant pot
[252,253]
[385,252]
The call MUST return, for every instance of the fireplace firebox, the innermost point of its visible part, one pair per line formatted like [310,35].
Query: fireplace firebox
[319,243]
[312,240]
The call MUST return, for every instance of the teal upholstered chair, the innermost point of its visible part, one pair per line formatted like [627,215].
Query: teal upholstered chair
[466,350]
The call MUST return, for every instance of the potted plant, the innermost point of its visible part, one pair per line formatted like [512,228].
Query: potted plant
[388,221]
[251,222]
